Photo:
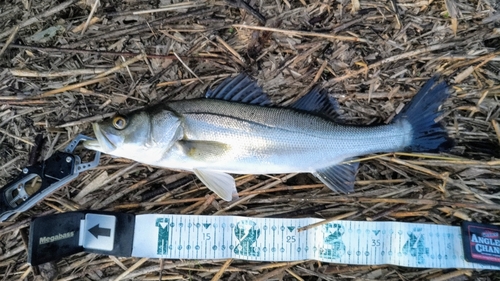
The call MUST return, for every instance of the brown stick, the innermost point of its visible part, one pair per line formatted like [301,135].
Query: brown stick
[10,39]
[70,87]
[333,200]
[304,33]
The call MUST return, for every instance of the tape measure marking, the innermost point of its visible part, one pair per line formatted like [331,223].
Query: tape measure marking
[269,239]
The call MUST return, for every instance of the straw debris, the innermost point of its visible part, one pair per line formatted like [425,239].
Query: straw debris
[91,59]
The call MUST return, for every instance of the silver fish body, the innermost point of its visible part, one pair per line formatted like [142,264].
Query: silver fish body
[249,139]
[230,133]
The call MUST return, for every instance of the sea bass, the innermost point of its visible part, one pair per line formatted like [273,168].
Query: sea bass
[234,129]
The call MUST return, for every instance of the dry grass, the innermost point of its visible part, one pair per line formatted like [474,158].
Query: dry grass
[120,55]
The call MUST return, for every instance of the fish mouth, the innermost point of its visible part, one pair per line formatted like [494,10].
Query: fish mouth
[102,142]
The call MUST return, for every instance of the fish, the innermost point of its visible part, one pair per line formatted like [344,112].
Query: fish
[235,129]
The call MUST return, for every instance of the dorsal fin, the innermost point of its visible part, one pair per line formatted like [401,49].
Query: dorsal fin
[239,89]
[318,101]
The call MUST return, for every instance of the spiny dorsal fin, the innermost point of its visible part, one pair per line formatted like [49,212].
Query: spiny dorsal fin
[318,101]
[239,89]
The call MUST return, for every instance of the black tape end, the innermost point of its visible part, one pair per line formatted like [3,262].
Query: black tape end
[53,237]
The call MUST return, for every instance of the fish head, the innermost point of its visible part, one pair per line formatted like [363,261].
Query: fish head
[114,133]
[144,135]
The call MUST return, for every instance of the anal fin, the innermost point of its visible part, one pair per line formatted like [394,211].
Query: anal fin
[221,183]
[339,178]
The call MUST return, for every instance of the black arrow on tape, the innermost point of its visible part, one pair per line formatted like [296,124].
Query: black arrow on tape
[98,231]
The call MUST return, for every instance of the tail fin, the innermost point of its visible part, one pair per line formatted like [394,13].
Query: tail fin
[421,112]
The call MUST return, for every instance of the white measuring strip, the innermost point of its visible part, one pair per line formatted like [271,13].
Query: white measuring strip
[266,239]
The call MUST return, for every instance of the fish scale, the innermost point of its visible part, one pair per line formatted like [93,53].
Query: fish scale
[268,139]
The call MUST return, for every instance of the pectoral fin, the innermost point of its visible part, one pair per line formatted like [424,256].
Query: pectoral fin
[339,178]
[203,150]
[221,183]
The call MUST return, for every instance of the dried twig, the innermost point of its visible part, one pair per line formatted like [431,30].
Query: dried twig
[38,18]
[303,33]
[10,39]
[356,47]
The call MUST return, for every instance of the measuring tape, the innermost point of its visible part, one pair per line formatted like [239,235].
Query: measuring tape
[257,239]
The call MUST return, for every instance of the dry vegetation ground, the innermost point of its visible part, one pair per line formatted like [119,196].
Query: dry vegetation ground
[372,55]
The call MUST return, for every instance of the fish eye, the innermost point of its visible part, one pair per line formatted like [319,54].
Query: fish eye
[119,122]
